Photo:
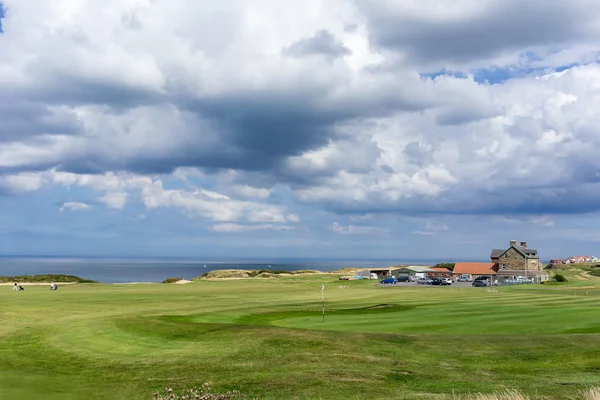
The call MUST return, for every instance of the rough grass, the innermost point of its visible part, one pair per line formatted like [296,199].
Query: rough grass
[348,270]
[589,394]
[266,338]
[44,278]
[254,273]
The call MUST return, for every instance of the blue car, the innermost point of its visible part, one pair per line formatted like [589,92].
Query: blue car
[390,280]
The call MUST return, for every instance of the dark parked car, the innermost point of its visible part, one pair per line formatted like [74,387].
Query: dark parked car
[480,283]
[389,280]
[404,278]
[437,282]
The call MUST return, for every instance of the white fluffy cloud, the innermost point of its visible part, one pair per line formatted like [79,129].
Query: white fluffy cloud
[115,200]
[233,227]
[20,183]
[355,229]
[74,206]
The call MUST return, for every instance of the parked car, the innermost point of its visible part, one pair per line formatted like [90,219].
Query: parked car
[437,282]
[389,280]
[463,279]
[422,281]
[447,281]
[404,278]
[480,283]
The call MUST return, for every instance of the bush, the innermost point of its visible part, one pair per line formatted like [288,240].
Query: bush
[560,278]
[205,393]
[172,280]
[449,266]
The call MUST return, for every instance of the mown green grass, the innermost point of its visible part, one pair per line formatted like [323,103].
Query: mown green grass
[266,337]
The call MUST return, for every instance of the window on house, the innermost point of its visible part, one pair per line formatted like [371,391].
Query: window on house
[506,256]
[503,266]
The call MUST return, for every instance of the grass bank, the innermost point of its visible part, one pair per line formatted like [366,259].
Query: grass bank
[44,278]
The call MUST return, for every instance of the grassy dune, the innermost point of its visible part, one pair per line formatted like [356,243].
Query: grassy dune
[266,338]
[45,278]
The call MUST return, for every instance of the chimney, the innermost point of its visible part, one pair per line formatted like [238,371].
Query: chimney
[523,244]
[513,242]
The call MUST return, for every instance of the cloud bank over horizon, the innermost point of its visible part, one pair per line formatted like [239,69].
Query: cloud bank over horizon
[318,127]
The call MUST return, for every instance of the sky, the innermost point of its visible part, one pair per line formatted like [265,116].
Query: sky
[305,128]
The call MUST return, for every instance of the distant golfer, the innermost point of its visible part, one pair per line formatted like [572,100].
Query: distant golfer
[15,287]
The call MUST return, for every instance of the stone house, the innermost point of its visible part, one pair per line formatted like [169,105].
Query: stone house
[517,260]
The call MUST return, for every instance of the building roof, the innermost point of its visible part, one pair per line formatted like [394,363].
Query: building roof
[497,253]
[529,253]
[418,268]
[388,269]
[474,268]
[440,269]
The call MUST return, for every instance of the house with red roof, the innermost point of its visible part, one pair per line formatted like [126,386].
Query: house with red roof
[474,269]
[438,272]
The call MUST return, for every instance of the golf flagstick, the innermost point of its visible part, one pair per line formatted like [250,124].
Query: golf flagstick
[323,300]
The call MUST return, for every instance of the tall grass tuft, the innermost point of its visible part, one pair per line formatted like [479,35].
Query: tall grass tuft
[592,393]
[506,395]
[204,392]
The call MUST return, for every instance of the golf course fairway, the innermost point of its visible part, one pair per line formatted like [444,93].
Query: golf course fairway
[267,338]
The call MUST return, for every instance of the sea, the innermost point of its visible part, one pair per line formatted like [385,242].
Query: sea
[126,270]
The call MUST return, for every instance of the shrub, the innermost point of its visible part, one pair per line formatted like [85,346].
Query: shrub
[203,393]
[560,278]
[172,280]
[450,266]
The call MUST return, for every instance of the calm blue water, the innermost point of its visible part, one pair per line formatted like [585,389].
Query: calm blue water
[156,270]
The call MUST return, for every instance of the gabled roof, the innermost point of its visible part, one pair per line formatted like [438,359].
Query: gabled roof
[474,268]
[497,253]
[440,269]
[529,253]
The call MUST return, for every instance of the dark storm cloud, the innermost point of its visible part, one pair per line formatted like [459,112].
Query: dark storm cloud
[242,130]
[23,119]
[461,200]
[501,26]
[322,43]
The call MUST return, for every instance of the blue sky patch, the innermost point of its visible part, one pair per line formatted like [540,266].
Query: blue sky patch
[1,16]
